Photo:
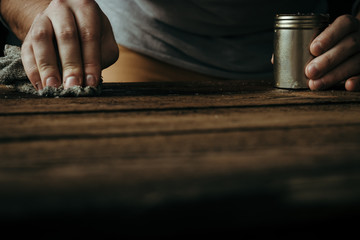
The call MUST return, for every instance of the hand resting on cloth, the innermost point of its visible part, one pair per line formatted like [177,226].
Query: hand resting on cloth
[12,74]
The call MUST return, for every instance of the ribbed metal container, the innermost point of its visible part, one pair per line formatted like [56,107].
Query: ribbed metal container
[293,34]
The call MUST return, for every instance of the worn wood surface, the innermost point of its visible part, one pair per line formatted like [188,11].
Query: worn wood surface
[170,159]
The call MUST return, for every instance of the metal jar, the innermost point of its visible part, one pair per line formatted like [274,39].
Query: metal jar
[293,34]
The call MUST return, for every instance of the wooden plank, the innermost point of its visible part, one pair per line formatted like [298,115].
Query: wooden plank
[184,146]
[136,101]
[173,149]
[172,122]
[144,156]
[291,170]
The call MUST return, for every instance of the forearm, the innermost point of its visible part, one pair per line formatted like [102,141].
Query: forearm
[19,14]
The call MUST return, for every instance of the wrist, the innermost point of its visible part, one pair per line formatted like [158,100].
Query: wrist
[19,14]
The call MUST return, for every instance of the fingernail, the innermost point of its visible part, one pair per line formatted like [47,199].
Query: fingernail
[72,81]
[353,84]
[312,71]
[318,84]
[317,48]
[91,80]
[52,82]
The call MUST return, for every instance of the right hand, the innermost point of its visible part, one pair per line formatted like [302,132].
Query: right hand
[70,42]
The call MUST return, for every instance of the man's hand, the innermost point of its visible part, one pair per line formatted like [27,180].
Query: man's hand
[337,55]
[70,42]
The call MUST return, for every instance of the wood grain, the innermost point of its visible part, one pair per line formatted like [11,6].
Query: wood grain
[132,99]
[212,161]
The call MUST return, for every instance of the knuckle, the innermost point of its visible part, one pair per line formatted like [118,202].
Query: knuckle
[59,1]
[354,42]
[92,65]
[27,63]
[32,72]
[40,33]
[349,20]
[67,34]
[26,48]
[328,60]
[85,2]
[88,35]
[72,67]
[46,67]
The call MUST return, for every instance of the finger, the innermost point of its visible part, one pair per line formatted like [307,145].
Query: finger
[68,44]
[327,61]
[342,72]
[44,53]
[30,67]
[90,39]
[353,84]
[341,27]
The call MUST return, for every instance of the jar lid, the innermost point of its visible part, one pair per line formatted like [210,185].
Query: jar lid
[301,20]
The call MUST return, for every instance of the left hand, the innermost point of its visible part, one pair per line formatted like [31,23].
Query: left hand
[337,55]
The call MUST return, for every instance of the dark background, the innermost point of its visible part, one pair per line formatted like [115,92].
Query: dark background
[3,32]
[339,7]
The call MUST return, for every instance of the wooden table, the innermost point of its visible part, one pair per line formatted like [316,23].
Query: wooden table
[179,158]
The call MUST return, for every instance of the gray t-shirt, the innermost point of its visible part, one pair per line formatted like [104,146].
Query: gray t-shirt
[222,38]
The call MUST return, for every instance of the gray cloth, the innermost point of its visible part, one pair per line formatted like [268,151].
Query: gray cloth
[222,38]
[12,74]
